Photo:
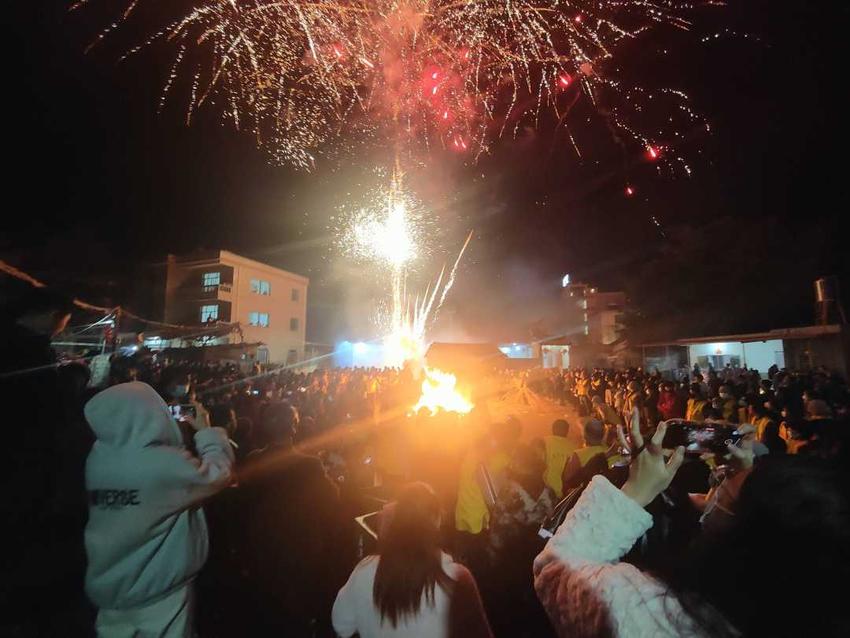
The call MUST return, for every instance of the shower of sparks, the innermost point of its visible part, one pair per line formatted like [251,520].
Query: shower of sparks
[413,74]
[407,345]
[390,237]
[394,231]
[412,315]
[393,236]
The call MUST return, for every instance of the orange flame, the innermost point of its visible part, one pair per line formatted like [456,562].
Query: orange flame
[439,392]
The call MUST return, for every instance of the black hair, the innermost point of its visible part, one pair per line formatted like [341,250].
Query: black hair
[410,569]
[728,580]
[594,430]
[278,423]
[758,408]
[220,417]
[709,412]
[560,427]
[173,376]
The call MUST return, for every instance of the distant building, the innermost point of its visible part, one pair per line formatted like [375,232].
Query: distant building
[597,315]
[515,350]
[804,348]
[270,304]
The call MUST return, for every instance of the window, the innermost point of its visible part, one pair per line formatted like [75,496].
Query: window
[260,287]
[211,280]
[296,294]
[258,319]
[293,324]
[209,313]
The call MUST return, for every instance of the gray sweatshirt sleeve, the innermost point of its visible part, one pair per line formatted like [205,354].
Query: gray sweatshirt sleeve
[196,479]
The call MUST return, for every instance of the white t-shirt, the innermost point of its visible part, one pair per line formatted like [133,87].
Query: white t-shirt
[354,610]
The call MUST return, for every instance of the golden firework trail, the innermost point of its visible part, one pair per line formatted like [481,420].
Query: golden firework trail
[318,77]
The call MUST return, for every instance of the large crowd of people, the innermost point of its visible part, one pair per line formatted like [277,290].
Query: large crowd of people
[791,410]
[178,498]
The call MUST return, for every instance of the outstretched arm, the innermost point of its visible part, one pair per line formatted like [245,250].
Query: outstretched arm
[578,577]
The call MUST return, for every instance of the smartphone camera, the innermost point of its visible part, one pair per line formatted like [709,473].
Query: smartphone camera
[180,412]
[700,438]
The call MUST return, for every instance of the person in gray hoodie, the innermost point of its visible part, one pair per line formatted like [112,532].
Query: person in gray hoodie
[146,537]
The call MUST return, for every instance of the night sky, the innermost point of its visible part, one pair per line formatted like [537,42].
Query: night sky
[98,183]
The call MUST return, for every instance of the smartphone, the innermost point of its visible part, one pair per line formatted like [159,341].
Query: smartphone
[559,513]
[700,438]
[182,411]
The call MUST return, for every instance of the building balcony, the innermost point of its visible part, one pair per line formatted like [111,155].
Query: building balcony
[206,293]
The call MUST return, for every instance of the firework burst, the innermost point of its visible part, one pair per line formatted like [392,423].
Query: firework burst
[394,236]
[414,74]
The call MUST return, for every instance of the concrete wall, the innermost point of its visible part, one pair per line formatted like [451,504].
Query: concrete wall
[763,354]
[670,361]
[831,352]
[758,355]
[280,307]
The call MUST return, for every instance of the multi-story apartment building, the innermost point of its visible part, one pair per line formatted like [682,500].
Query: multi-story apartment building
[270,304]
[597,315]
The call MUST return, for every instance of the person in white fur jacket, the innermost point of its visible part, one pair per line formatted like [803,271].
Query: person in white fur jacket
[788,527]
[577,577]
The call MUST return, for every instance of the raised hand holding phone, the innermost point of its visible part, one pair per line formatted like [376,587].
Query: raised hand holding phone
[650,472]
[201,419]
[623,441]
[742,455]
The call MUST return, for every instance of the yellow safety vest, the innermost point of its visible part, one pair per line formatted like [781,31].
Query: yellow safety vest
[761,425]
[471,513]
[558,452]
[584,454]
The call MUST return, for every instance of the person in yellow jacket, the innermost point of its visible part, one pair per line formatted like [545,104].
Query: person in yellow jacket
[728,404]
[594,433]
[792,430]
[696,404]
[471,512]
[558,451]
[767,430]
